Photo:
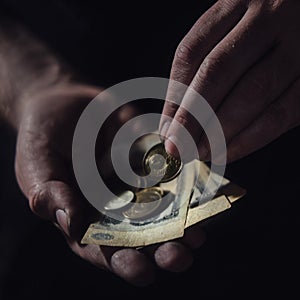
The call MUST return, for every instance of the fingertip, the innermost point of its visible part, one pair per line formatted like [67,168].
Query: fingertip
[170,146]
[194,237]
[63,221]
[173,257]
[164,129]
[133,266]
[67,207]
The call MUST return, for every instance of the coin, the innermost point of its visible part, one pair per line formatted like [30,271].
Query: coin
[160,164]
[121,201]
[146,202]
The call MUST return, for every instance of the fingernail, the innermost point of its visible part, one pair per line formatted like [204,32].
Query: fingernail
[63,220]
[171,145]
[164,130]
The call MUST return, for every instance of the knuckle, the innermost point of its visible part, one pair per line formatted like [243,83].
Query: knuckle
[258,4]
[266,8]
[37,201]
[184,54]
[170,109]
[207,70]
[272,5]
[182,117]
[34,200]
[228,4]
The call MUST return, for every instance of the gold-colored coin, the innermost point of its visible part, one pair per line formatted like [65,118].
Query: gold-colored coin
[159,163]
[147,201]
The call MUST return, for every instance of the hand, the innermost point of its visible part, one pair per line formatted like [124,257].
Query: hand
[243,58]
[44,172]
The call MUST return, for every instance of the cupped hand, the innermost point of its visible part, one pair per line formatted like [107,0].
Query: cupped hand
[44,172]
[243,57]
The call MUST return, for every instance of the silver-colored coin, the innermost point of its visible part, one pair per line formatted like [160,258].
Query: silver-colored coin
[118,202]
[147,201]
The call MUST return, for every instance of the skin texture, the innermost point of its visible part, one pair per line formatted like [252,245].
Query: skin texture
[44,172]
[242,57]
[42,100]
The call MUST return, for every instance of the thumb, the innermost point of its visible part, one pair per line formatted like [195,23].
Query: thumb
[58,202]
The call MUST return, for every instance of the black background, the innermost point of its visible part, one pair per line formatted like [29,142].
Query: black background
[251,248]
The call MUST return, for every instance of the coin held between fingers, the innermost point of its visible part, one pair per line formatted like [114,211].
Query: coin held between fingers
[159,163]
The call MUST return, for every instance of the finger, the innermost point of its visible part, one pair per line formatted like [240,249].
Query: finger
[194,237]
[279,117]
[58,202]
[199,41]
[261,85]
[43,178]
[223,67]
[129,264]
[176,256]
[173,256]
[133,266]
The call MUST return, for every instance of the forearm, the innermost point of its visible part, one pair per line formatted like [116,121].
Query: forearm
[27,67]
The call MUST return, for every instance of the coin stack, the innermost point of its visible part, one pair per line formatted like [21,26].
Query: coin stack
[148,158]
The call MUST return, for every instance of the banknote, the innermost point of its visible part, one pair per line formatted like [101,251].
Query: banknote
[203,206]
[179,211]
[168,223]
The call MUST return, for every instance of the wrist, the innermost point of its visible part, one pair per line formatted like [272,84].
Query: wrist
[28,67]
[18,99]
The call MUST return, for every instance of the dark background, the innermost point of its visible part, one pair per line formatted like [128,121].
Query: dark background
[251,248]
